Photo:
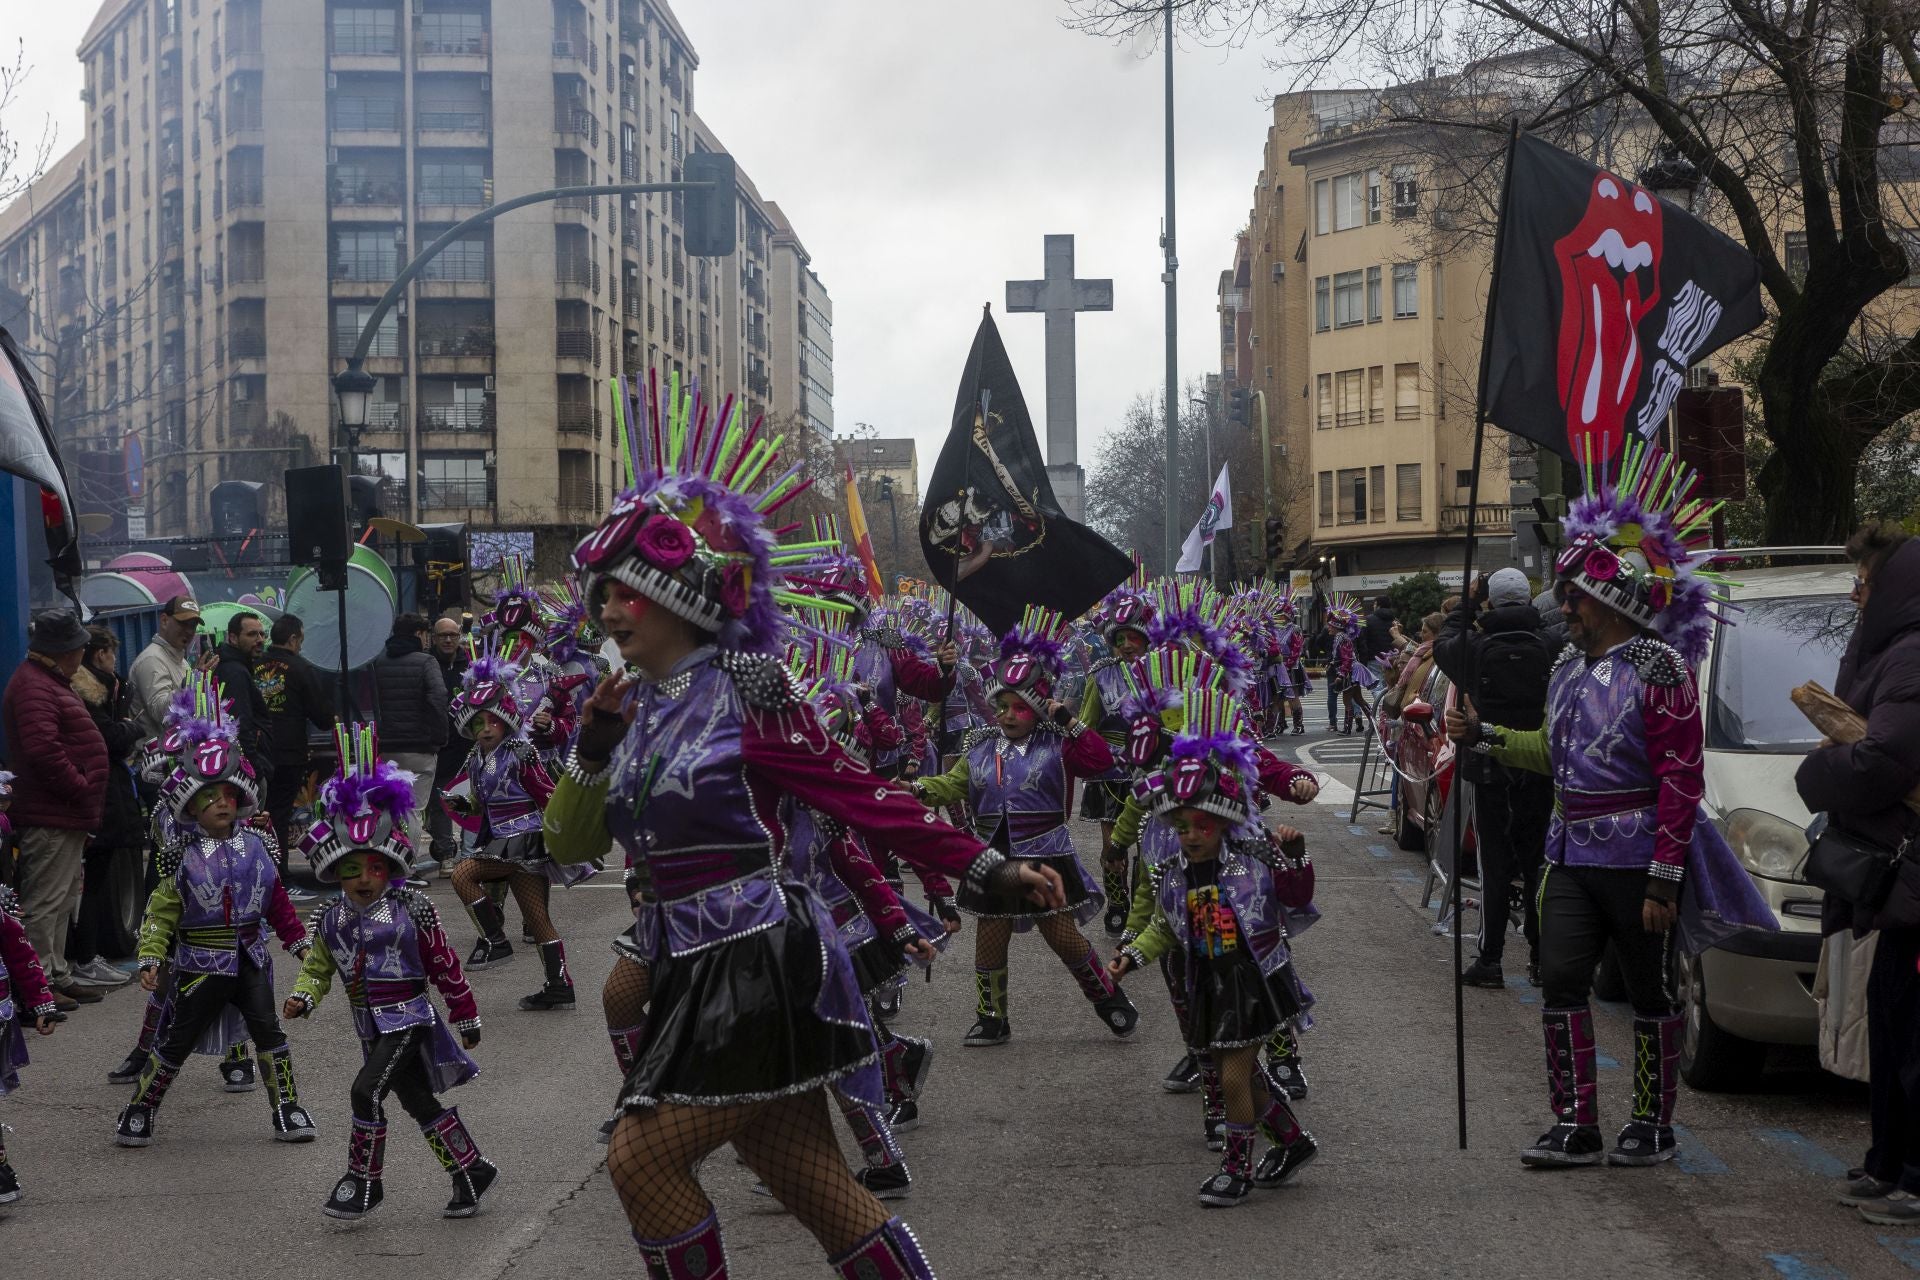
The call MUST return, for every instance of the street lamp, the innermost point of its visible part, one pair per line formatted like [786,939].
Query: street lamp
[353,386]
[1671,176]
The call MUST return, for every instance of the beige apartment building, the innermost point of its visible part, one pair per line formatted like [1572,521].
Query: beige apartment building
[256,172]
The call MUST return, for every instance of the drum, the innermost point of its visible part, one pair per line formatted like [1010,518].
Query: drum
[215,618]
[372,605]
[155,573]
[113,591]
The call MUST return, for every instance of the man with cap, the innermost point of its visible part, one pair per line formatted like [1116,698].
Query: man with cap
[59,761]
[1492,649]
[162,667]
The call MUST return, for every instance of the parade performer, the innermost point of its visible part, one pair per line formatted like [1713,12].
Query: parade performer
[1631,856]
[385,942]
[219,890]
[1221,903]
[1348,672]
[1016,780]
[887,663]
[966,707]
[25,1000]
[1124,616]
[499,795]
[1293,650]
[754,1009]
[195,714]
[572,644]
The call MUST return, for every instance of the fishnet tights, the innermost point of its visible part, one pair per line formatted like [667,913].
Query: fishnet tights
[530,890]
[1243,1085]
[788,1143]
[1061,931]
[624,998]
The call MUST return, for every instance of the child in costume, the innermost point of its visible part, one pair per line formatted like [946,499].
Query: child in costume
[500,794]
[1221,904]
[25,999]
[1348,672]
[1124,617]
[386,942]
[219,890]
[195,715]
[1016,780]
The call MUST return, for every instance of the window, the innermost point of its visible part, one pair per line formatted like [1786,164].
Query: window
[1347,300]
[350,317]
[1349,391]
[1376,394]
[365,31]
[1463,480]
[1323,401]
[1406,392]
[1406,290]
[1322,207]
[1326,497]
[1373,295]
[1349,201]
[1350,485]
[452,182]
[366,253]
[1406,191]
[454,480]
[1377,495]
[1406,491]
[1322,305]
[1797,256]
[1373,196]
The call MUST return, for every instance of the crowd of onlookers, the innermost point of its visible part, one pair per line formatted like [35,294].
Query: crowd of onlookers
[75,728]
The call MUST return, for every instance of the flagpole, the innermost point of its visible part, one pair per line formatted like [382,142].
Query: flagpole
[1459,804]
[1173,326]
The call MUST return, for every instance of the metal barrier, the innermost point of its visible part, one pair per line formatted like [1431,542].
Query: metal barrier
[1373,782]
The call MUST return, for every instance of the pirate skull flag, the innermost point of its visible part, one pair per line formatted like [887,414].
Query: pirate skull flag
[991,530]
[1606,295]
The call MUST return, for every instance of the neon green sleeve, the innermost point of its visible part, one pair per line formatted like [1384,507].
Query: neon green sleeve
[575,821]
[1141,911]
[162,918]
[1126,827]
[1523,749]
[1090,708]
[316,974]
[1154,941]
[946,788]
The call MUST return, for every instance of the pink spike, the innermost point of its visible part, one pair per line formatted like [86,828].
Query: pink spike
[786,529]
[788,496]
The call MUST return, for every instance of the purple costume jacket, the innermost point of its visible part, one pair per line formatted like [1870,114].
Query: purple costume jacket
[214,902]
[1108,681]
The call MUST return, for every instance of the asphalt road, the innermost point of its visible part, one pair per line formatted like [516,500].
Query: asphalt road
[1055,1155]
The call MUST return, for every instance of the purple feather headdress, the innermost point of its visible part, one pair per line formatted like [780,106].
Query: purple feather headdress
[196,713]
[1190,613]
[1212,765]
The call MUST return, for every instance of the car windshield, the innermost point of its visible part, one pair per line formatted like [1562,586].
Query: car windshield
[1774,646]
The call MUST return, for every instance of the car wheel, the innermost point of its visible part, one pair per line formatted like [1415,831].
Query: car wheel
[1711,1059]
[1608,984]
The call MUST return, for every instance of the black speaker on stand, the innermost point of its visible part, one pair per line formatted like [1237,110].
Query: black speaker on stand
[317,536]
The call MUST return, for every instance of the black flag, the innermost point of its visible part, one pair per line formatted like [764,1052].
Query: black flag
[1606,295]
[992,533]
[27,450]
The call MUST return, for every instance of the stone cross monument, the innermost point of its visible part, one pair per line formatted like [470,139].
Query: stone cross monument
[1059,296]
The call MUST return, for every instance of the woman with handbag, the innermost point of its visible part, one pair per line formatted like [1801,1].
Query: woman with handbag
[1860,786]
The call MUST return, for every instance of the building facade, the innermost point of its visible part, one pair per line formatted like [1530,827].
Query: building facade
[255,174]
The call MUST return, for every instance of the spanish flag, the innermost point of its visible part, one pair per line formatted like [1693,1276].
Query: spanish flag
[862,540]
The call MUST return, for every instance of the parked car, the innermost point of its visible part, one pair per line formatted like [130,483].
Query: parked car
[1755,988]
[1422,753]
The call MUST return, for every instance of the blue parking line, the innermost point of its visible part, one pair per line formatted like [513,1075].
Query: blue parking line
[1405,875]
[1805,1266]
[1691,1155]
[1522,990]
[1379,851]
[1803,1151]
[1907,1250]
[1604,1062]
[1356,831]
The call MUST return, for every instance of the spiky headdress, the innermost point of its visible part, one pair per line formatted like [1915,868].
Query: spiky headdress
[1128,606]
[488,686]
[1631,543]
[364,808]
[570,628]
[821,665]
[516,606]
[692,533]
[201,747]
[1344,615]
[1030,660]
[1211,765]
[1192,613]
[1156,685]
[196,713]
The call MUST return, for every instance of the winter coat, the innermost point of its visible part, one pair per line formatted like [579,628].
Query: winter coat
[453,754]
[296,697]
[57,753]
[234,674]
[157,671]
[1553,623]
[1376,637]
[1862,786]
[411,695]
[1501,661]
[121,823]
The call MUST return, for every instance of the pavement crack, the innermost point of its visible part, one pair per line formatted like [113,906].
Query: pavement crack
[535,1231]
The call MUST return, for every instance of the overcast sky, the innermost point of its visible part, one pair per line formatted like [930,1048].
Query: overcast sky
[921,159]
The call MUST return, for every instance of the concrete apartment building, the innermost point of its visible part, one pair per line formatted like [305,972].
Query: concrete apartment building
[255,173]
[886,470]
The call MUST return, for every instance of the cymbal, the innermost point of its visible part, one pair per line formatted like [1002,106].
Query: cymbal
[95,522]
[398,530]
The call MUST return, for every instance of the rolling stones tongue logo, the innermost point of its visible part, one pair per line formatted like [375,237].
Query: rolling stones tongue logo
[1609,281]
[1143,740]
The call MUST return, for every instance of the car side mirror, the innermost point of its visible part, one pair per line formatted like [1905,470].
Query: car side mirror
[1418,710]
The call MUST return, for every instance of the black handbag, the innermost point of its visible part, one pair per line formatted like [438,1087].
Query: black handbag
[1857,870]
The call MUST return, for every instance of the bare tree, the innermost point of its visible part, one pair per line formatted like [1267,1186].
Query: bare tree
[1800,118]
[20,163]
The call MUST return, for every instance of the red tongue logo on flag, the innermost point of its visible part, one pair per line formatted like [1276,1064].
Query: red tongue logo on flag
[1609,281]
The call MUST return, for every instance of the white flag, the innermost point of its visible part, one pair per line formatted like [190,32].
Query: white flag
[1217,516]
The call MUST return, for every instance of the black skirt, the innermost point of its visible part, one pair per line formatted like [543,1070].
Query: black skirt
[878,963]
[1102,800]
[736,1023]
[1231,1004]
[1080,892]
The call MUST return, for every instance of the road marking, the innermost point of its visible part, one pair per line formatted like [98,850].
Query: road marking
[1379,851]
[1807,1266]
[1604,1062]
[1522,990]
[1691,1155]
[1803,1151]
[1907,1250]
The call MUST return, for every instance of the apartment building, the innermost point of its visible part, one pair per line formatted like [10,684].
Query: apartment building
[256,173]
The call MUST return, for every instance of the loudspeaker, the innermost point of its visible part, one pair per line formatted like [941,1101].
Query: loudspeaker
[317,520]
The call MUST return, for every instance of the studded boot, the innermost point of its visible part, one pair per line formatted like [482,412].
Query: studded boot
[1574,1138]
[991,1025]
[1647,1138]
[291,1123]
[1213,1103]
[472,1172]
[1109,1001]
[236,1070]
[558,991]
[695,1254]
[1234,1183]
[1284,1067]
[493,947]
[1290,1146]
[135,1126]
[889,1252]
[885,1174]
[358,1192]
[135,1063]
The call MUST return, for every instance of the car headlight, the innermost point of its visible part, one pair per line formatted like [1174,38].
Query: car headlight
[1770,847]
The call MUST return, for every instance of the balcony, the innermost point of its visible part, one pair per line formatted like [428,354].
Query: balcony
[447,126]
[580,419]
[680,335]
[671,79]
[633,305]
[577,122]
[574,51]
[465,415]
[629,99]
[577,274]
[247,344]
[461,262]
[760,385]
[456,495]
[1492,515]
[246,197]
[246,118]
[462,195]
[573,207]
[454,41]
[385,415]
[371,199]
[579,495]
[365,121]
[456,342]
[576,344]
[629,167]
[364,267]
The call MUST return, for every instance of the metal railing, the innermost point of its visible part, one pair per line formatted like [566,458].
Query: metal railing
[461,415]
[451,119]
[244,344]
[577,494]
[437,340]
[368,268]
[368,191]
[245,118]
[439,495]
[245,191]
[576,344]
[570,119]
[369,115]
[457,194]
[583,272]
[459,268]
[451,39]
[362,42]
[576,417]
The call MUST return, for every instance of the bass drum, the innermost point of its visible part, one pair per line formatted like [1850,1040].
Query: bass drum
[372,605]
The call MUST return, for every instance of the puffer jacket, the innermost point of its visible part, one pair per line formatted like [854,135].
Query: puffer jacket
[412,698]
[1862,786]
[56,752]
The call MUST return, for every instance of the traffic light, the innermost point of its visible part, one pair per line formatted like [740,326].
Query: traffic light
[1240,407]
[1276,533]
[713,212]
[237,508]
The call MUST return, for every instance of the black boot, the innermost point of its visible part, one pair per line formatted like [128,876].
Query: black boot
[558,991]
[1647,1138]
[358,1193]
[493,947]
[1574,1138]
[236,1070]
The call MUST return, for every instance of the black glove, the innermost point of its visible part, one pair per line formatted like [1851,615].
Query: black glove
[599,736]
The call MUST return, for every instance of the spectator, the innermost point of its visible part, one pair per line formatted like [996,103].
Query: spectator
[161,668]
[1861,787]
[1553,623]
[1376,637]
[122,832]
[296,698]
[233,672]
[453,664]
[1492,649]
[59,760]
[410,694]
